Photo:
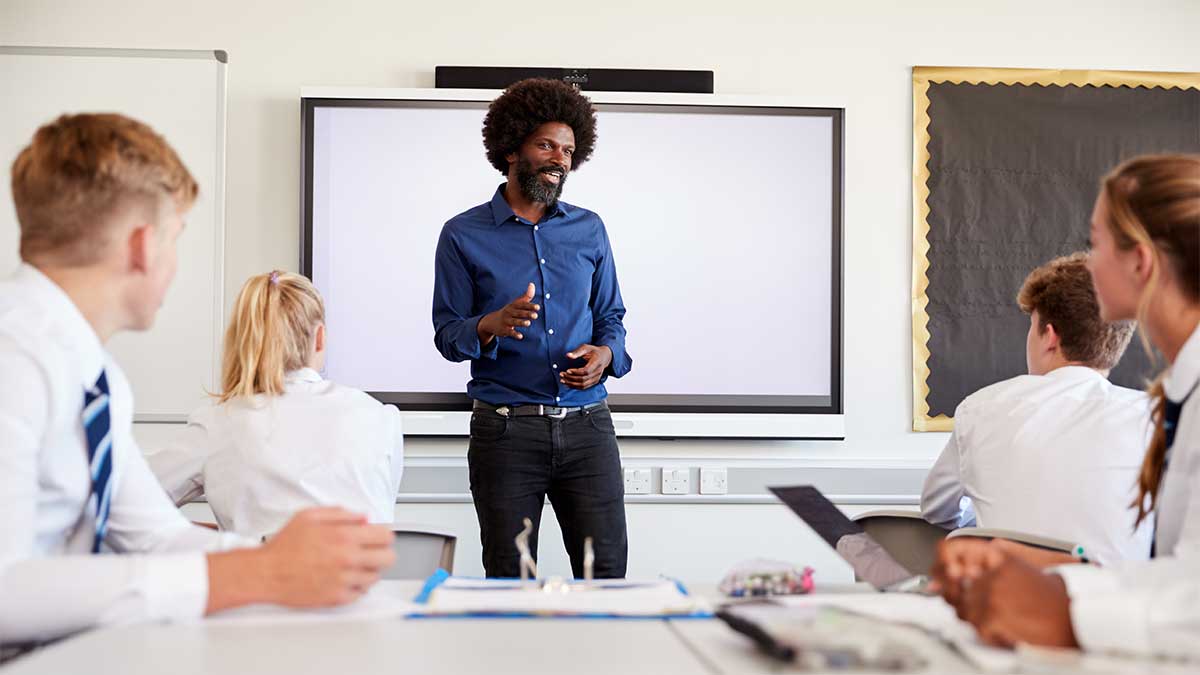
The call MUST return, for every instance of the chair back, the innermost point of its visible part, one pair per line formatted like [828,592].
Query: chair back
[420,551]
[1034,540]
[905,535]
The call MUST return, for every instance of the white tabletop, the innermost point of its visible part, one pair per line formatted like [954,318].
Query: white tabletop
[273,641]
[424,646]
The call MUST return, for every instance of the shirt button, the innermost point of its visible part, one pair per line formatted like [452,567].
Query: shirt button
[554,366]
[547,296]
[541,261]
[535,228]
[552,331]
[557,399]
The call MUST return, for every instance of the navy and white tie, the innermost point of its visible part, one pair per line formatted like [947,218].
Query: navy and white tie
[98,429]
[1171,414]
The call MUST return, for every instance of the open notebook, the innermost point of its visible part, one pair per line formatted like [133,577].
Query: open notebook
[445,595]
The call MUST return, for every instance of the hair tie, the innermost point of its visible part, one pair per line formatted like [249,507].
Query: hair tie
[274,278]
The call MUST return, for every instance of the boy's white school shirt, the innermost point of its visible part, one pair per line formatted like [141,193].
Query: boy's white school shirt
[1055,455]
[50,582]
[258,460]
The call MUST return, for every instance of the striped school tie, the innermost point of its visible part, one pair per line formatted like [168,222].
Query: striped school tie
[97,428]
[1171,415]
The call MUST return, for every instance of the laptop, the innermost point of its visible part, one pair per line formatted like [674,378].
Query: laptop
[871,563]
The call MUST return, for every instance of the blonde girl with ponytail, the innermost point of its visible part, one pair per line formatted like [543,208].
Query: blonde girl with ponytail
[278,437]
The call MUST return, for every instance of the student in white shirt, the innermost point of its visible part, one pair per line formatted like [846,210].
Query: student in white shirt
[1056,452]
[87,536]
[280,438]
[1145,264]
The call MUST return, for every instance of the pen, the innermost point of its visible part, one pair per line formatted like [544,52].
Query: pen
[1078,553]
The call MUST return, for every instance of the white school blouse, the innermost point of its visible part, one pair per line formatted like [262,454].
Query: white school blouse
[1153,607]
[50,582]
[1056,455]
[259,460]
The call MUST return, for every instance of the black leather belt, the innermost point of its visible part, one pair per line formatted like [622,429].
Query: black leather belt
[537,410]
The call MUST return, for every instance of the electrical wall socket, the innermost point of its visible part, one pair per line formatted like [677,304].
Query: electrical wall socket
[714,481]
[637,481]
[676,481]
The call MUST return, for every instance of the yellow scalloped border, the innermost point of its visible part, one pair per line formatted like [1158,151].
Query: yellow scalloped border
[922,77]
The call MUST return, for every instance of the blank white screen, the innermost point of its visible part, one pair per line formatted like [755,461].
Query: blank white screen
[720,224]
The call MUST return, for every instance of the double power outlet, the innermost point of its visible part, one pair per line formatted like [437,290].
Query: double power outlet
[675,480]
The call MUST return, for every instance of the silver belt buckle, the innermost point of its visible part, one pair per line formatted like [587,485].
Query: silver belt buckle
[562,412]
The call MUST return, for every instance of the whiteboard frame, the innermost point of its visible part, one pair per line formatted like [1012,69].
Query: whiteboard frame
[451,421]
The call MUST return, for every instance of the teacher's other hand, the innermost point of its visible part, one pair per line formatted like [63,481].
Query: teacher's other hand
[587,375]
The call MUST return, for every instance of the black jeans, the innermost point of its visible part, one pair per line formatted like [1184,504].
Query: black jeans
[516,462]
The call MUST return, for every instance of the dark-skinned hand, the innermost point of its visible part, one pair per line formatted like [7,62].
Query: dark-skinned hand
[1006,598]
[504,322]
[589,374]
[1017,603]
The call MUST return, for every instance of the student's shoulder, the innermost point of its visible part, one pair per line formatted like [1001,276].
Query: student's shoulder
[30,350]
[1136,399]
[353,397]
[362,402]
[1014,388]
[29,391]
[20,320]
[20,363]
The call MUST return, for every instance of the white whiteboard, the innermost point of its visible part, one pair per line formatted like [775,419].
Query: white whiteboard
[708,202]
[181,94]
[381,194]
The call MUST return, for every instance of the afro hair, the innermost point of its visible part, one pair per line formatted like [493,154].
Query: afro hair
[528,104]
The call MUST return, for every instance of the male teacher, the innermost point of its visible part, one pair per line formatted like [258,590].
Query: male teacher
[526,288]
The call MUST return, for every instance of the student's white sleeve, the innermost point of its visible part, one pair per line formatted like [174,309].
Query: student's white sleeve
[179,466]
[49,596]
[943,488]
[1147,608]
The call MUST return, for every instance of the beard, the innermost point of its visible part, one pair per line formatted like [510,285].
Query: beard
[534,187]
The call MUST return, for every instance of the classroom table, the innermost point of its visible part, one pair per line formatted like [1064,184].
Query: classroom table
[429,647]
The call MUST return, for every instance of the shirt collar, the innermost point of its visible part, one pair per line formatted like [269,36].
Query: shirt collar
[1181,378]
[1075,373]
[502,212]
[66,323]
[303,375]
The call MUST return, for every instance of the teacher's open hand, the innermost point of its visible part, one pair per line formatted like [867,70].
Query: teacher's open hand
[505,321]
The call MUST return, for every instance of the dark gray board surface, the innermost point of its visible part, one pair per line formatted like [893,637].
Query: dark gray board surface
[1013,173]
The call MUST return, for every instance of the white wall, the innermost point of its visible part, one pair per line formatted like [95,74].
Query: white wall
[855,53]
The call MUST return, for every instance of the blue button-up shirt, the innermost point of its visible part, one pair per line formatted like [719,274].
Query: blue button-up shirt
[486,258]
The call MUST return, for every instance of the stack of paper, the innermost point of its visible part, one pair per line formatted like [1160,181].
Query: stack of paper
[929,613]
